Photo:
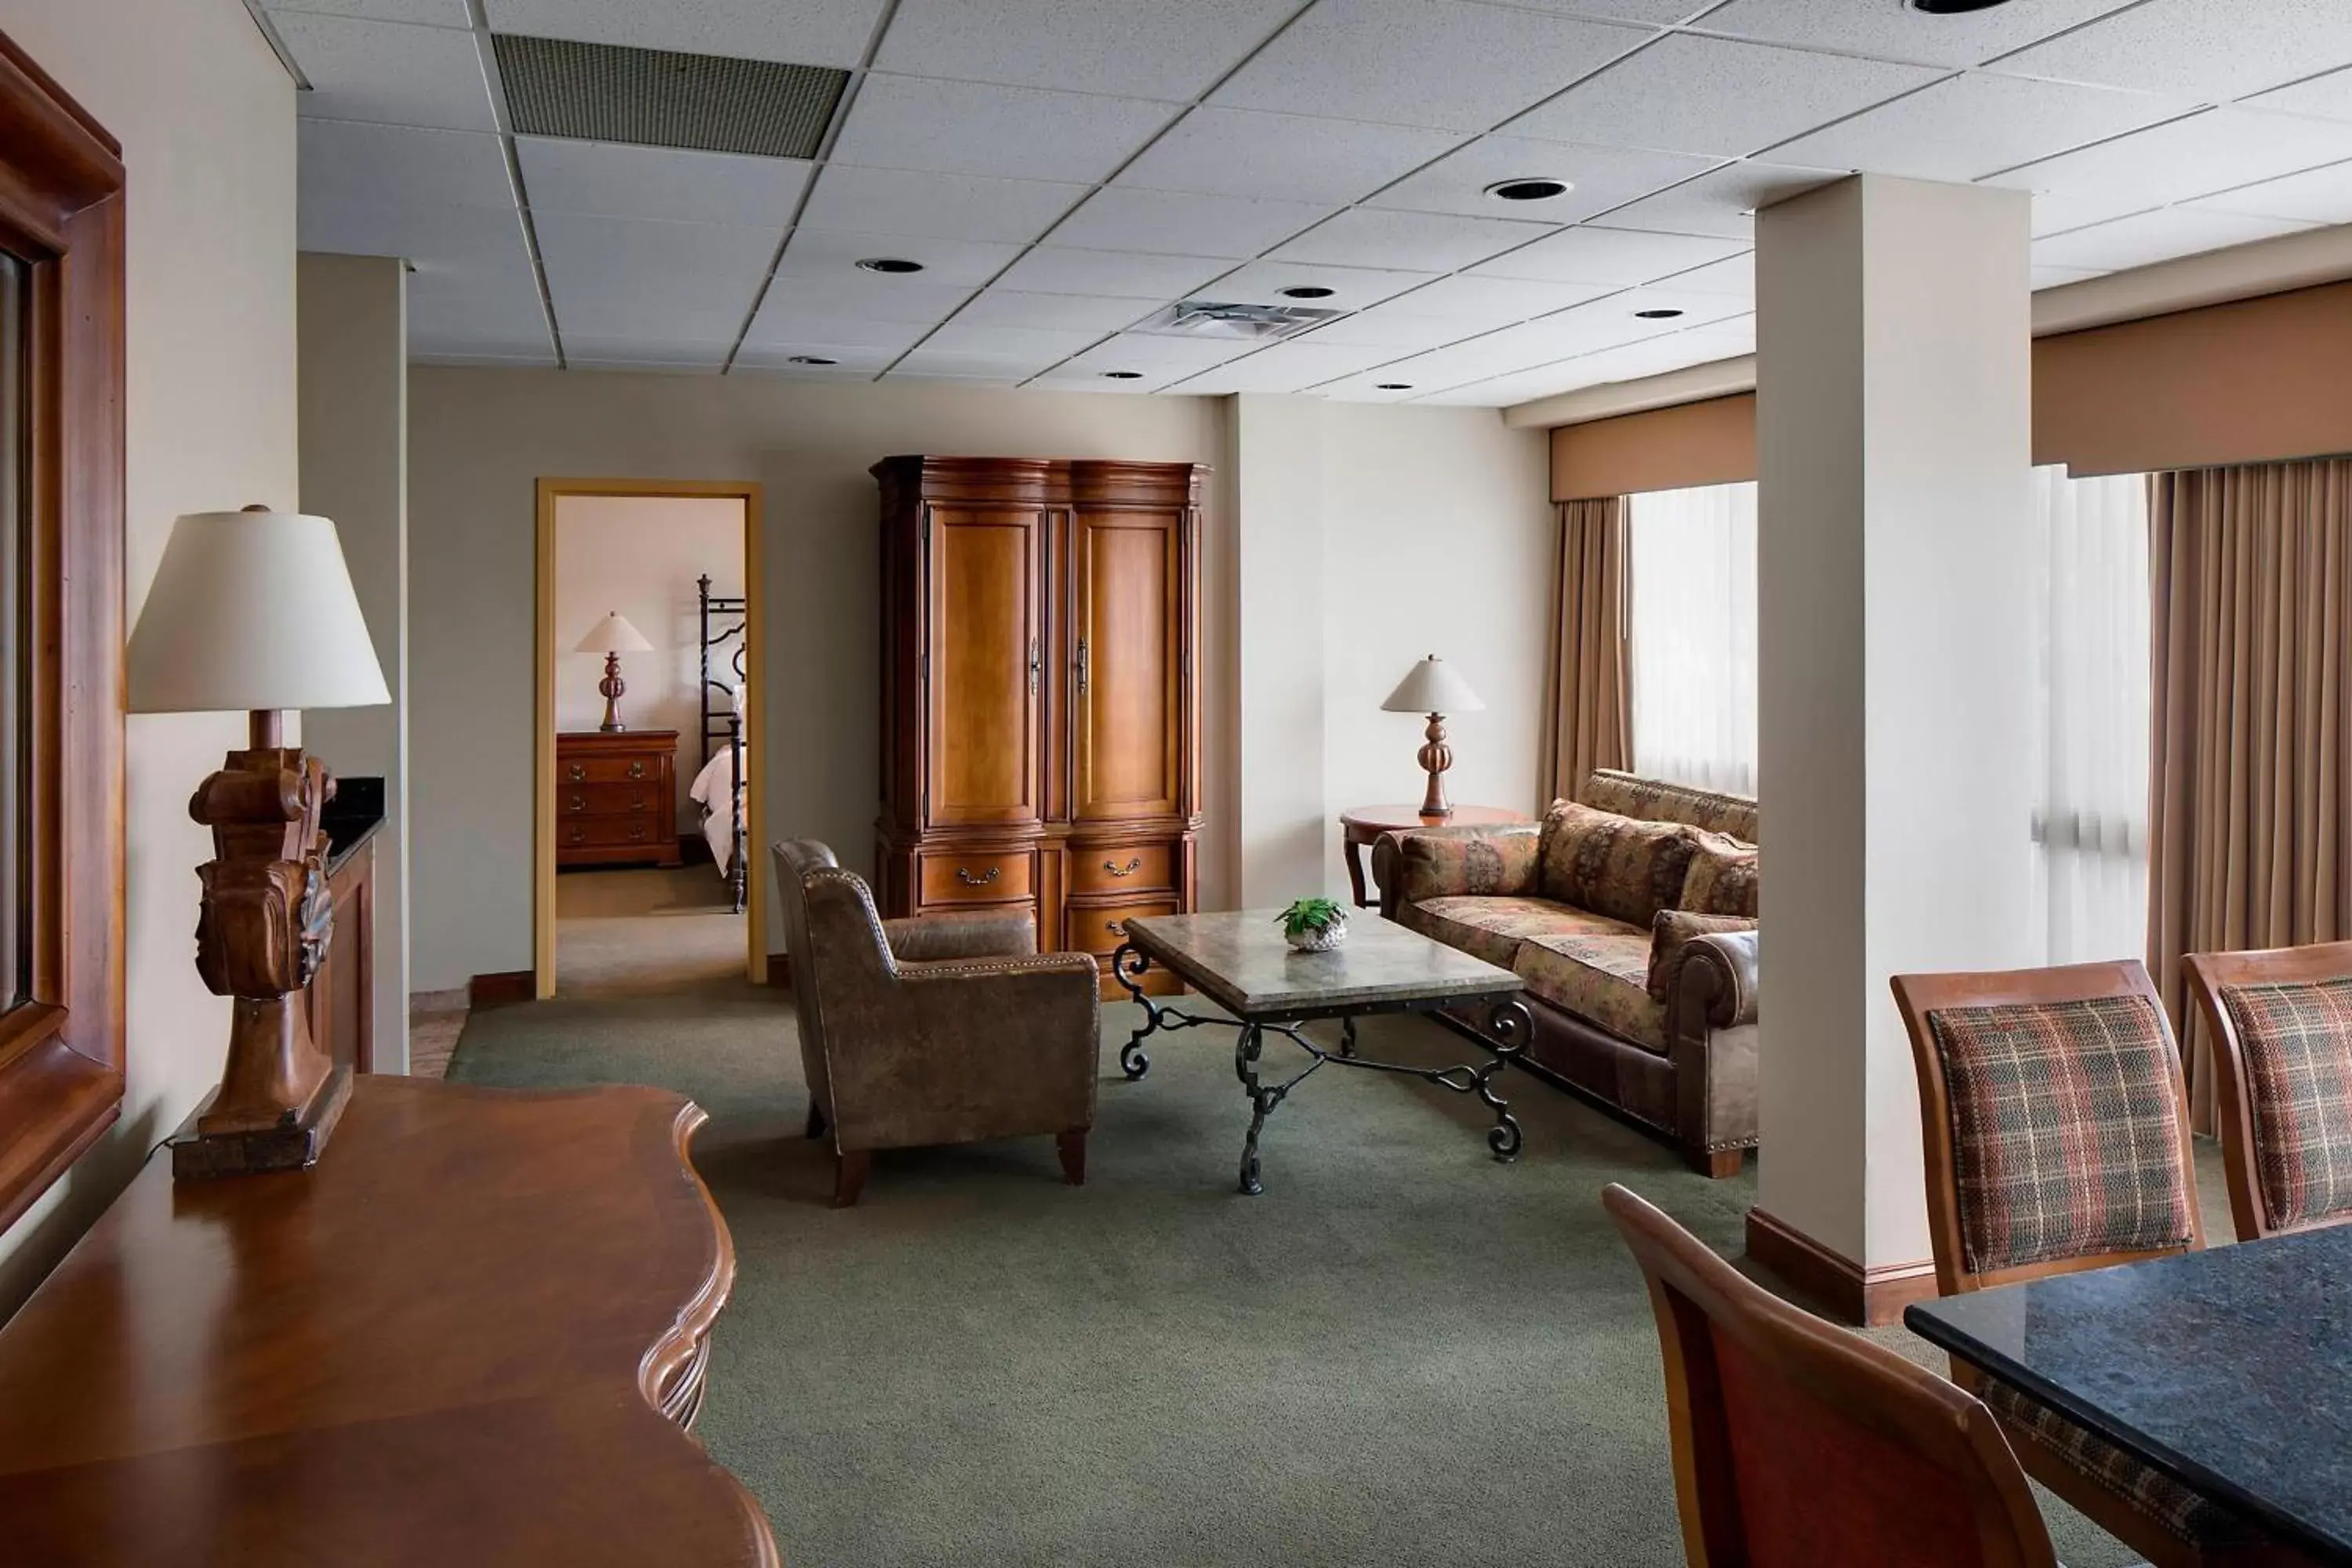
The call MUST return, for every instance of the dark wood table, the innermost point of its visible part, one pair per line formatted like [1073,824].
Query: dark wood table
[1360,824]
[1238,959]
[2229,1369]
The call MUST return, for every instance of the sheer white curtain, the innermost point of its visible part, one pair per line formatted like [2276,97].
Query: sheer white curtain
[1692,636]
[2091,830]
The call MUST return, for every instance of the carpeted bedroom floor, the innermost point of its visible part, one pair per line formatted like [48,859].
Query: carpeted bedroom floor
[1402,1353]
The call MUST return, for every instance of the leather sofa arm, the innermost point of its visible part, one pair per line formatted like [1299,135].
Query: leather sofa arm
[1718,979]
[935,937]
[1388,858]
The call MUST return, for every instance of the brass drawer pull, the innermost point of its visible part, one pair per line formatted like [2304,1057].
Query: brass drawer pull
[1130,869]
[578,834]
[964,876]
[637,769]
[578,773]
[637,834]
[579,804]
[1115,928]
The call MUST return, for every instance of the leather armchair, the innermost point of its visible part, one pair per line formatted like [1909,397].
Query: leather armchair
[948,1029]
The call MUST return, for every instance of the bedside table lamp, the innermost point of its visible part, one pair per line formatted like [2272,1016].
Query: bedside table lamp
[254,610]
[613,636]
[1431,687]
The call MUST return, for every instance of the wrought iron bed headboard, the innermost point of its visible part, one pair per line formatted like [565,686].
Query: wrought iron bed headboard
[722,724]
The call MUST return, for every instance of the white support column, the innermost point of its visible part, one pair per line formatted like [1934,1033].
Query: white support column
[1894,454]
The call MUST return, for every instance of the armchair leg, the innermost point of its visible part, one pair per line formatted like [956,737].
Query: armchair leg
[1072,1146]
[849,1170]
[1717,1164]
[816,1119]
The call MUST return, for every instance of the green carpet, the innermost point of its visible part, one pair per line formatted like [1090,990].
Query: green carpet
[1404,1352]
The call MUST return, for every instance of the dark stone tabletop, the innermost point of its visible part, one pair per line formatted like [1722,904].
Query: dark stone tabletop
[1239,960]
[2232,1368]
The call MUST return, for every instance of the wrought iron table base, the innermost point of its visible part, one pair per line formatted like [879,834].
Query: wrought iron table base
[1509,1023]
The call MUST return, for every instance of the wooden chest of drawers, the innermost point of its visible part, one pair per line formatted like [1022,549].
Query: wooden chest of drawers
[616,798]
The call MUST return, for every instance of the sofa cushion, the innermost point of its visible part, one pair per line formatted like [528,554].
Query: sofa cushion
[1600,976]
[1722,876]
[1493,928]
[1615,866]
[1442,864]
[1670,935]
[1656,800]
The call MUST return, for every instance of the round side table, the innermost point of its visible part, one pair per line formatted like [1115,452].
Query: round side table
[1359,825]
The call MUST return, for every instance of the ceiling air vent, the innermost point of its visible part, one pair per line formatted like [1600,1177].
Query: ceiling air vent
[1251,323]
[657,98]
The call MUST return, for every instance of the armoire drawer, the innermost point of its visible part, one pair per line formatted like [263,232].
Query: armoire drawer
[1100,928]
[1123,868]
[991,877]
[604,799]
[574,771]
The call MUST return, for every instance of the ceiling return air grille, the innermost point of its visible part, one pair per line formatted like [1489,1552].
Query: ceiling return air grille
[657,98]
[1253,324]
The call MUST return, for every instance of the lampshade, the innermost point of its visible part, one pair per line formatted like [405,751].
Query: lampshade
[1431,686]
[252,610]
[613,634]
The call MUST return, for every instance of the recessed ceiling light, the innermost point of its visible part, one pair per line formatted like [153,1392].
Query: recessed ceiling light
[1529,189]
[811,359]
[1307,291]
[890,264]
[1954,7]
[1658,315]
[1122,375]
[1392,386]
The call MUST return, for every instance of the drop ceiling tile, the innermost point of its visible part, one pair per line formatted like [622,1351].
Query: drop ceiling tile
[778,332]
[1970,126]
[1110,274]
[1148,351]
[1615,256]
[1286,367]
[2203,49]
[2157,236]
[1611,322]
[1352,287]
[828,253]
[1044,346]
[422,13]
[930,362]
[603,179]
[805,32]
[1602,177]
[2327,95]
[950,206]
[1118,217]
[1723,202]
[1128,48]
[1652,356]
[476,309]
[2218,149]
[2054,213]
[1715,97]
[544,359]
[1426,242]
[2059,277]
[657,349]
[1894,31]
[1008,133]
[1493,355]
[1479,300]
[858,296]
[1371,387]
[347,160]
[1444,64]
[1733,275]
[446,236]
[1382,327]
[1067,380]
[614,277]
[1002,307]
[2316,195]
[388,73]
[850,363]
[1658,13]
[1292,157]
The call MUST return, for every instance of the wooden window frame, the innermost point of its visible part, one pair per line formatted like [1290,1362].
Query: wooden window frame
[61,1051]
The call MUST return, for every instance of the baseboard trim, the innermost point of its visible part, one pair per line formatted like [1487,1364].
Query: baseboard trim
[502,990]
[780,969]
[1874,1296]
[455,1000]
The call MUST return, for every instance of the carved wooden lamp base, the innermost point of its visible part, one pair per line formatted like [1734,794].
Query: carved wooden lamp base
[612,686]
[1435,756]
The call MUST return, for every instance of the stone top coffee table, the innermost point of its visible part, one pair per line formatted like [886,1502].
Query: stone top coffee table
[1239,960]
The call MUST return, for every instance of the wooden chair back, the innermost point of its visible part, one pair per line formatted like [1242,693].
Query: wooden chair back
[1919,996]
[1798,1443]
[2233,1099]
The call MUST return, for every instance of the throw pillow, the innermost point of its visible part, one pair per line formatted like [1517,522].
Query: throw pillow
[1722,876]
[1670,935]
[1616,866]
[1440,863]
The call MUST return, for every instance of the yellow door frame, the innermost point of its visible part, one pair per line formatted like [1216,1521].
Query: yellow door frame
[755,729]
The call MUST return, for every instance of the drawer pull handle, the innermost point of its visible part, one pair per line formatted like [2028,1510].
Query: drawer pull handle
[1115,928]
[637,834]
[1084,673]
[578,773]
[1130,869]
[578,834]
[964,874]
[637,769]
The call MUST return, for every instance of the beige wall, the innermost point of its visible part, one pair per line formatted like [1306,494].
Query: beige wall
[479,440]
[206,116]
[640,555]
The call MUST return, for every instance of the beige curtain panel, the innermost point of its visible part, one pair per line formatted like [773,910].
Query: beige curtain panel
[1592,705]
[2251,752]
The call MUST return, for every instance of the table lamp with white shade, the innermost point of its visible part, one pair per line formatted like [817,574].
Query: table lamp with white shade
[254,610]
[1431,686]
[613,636]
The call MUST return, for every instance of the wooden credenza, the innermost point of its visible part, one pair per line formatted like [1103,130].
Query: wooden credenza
[1041,700]
[474,1332]
[616,798]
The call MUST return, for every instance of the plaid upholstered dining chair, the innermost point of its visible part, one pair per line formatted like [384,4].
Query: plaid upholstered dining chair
[2056,1131]
[1796,1441]
[2281,1022]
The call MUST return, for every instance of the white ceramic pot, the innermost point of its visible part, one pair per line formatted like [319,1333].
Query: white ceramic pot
[1323,941]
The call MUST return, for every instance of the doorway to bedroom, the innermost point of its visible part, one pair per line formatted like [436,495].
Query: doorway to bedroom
[649,741]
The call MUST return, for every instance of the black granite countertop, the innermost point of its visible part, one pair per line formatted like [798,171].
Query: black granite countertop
[352,818]
[2231,1368]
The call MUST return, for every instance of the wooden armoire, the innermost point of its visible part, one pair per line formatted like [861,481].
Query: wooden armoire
[1041,715]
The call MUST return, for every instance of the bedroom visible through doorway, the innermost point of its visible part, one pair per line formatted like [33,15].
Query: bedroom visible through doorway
[648,641]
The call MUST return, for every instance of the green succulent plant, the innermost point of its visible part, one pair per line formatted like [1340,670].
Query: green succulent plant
[1305,915]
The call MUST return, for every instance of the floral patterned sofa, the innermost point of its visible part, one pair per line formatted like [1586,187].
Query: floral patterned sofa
[1630,913]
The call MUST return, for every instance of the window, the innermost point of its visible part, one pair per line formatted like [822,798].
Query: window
[1692,634]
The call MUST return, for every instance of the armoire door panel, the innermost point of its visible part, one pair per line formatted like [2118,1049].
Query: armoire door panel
[1128,730]
[985,666]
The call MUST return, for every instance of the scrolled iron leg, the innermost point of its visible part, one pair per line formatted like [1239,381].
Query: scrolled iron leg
[1348,1037]
[1128,967]
[1512,1026]
[1246,1051]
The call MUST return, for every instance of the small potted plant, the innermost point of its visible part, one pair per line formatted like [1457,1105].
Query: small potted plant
[1313,925]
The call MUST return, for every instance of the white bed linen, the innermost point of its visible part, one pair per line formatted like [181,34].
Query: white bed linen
[710,790]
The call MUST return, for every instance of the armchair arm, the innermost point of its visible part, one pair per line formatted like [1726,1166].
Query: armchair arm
[1417,863]
[931,937]
[1719,980]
